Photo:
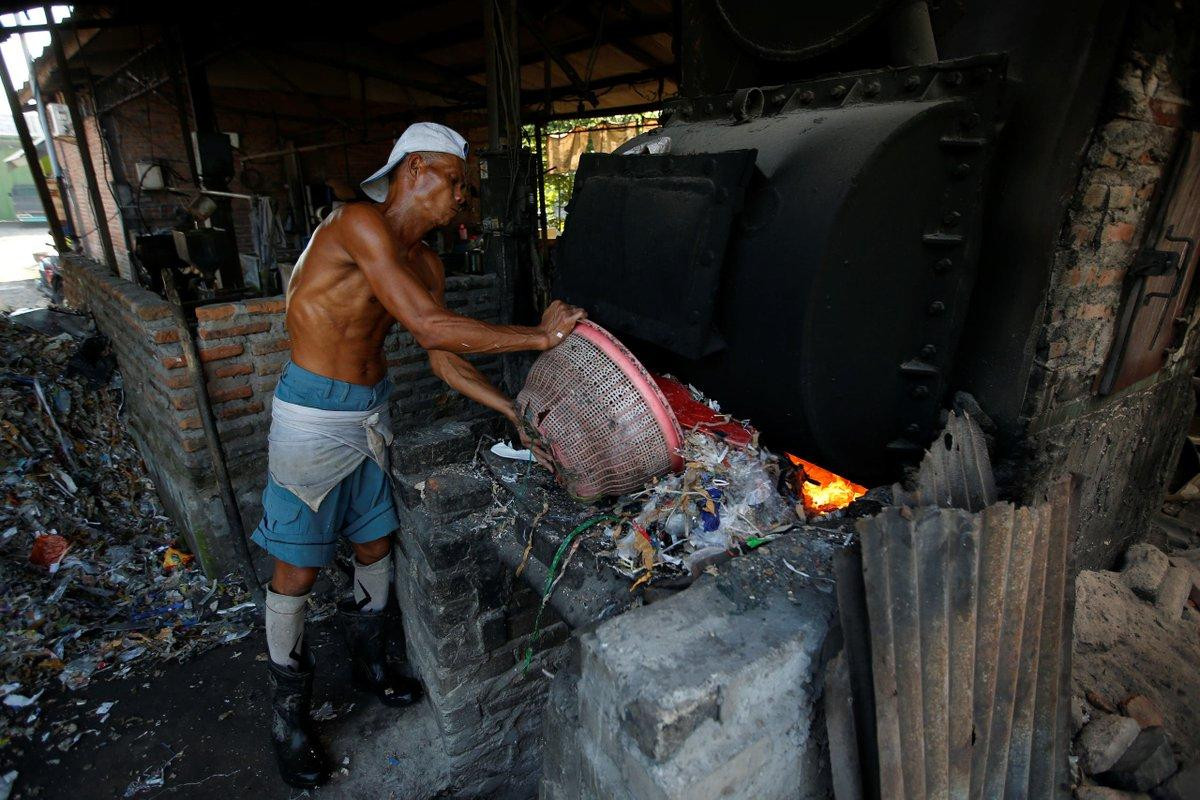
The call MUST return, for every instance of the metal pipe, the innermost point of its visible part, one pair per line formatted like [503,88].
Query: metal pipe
[911,34]
[35,166]
[538,133]
[598,113]
[36,89]
[308,148]
[195,370]
[51,150]
[490,49]
[81,140]
[178,82]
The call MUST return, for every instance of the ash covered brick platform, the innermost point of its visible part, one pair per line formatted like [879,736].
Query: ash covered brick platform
[692,692]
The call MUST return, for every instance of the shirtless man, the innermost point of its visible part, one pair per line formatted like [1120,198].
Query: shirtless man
[364,270]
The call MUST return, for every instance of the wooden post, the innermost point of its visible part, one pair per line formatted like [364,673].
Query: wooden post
[81,140]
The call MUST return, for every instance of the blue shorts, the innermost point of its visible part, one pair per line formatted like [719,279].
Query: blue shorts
[361,507]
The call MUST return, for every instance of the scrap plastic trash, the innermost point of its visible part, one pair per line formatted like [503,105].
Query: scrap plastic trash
[726,498]
[732,495]
[94,583]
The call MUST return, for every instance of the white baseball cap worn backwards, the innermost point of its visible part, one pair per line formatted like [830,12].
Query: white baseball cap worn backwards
[420,137]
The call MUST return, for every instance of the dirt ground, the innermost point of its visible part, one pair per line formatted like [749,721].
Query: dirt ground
[202,727]
[1123,646]
[18,271]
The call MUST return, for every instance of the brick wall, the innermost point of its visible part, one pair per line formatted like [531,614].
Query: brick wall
[1106,223]
[243,347]
[83,220]
[1125,444]
[467,620]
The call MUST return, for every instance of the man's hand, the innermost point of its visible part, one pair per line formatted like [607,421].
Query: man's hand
[559,320]
[539,455]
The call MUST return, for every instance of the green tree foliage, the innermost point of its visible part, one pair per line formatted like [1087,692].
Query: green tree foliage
[559,185]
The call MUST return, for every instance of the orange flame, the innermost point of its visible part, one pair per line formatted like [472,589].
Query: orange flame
[821,490]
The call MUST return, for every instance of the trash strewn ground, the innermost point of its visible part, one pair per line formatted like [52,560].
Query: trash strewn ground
[96,582]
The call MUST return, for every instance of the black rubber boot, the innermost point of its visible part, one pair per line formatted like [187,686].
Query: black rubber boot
[365,639]
[302,762]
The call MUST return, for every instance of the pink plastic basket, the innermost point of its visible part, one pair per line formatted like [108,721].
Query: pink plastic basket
[600,415]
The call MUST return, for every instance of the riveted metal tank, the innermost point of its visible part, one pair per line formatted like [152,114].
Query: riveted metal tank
[804,253]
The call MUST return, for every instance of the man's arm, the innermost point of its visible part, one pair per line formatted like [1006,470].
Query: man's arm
[400,291]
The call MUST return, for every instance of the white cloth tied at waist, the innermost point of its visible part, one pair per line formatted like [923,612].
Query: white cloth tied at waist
[310,450]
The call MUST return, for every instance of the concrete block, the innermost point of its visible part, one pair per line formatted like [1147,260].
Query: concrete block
[1173,592]
[1104,740]
[1184,785]
[1145,764]
[698,696]
[1145,568]
[1105,793]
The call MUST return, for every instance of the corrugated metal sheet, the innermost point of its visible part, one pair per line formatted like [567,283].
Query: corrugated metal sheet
[969,620]
[956,471]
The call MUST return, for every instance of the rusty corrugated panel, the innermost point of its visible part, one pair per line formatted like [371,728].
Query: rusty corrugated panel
[880,531]
[996,539]
[956,471]
[1050,696]
[931,538]
[904,593]
[969,619]
[964,582]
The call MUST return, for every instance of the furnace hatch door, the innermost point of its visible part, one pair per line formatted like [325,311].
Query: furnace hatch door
[645,240]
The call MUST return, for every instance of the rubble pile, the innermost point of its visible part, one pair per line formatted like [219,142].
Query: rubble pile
[1136,713]
[95,581]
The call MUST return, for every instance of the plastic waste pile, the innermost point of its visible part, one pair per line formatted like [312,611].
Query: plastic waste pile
[95,580]
[732,495]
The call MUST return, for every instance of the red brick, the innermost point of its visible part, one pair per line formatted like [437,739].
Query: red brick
[191,445]
[166,336]
[190,424]
[233,412]
[1058,349]
[230,370]
[179,381]
[273,346]
[1118,232]
[1094,196]
[234,330]
[265,306]
[232,393]
[183,402]
[1110,277]
[1081,235]
[1096,311]
[173,362]
[152,311]
[265,368]
[208,354]
[1077,276]
[1120,197]
[223,311]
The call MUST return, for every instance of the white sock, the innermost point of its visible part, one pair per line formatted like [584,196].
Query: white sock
[371,584]
[285,628]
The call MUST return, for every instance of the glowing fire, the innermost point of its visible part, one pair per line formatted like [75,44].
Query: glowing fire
[822,490]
